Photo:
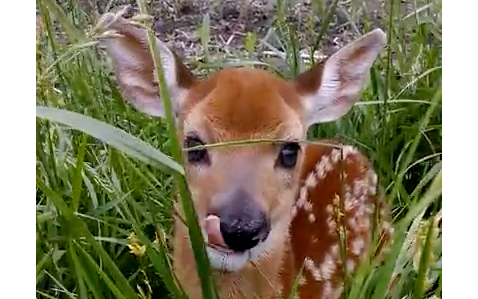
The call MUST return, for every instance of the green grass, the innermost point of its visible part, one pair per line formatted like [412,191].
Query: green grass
[96,184]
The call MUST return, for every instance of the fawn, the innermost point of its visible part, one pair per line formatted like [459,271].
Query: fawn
[266,210]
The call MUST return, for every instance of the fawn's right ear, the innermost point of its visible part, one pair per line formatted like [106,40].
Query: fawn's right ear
[134,67]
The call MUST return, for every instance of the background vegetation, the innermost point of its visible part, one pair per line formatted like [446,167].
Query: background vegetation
[102,193]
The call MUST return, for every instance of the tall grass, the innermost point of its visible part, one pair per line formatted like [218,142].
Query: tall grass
[105,189]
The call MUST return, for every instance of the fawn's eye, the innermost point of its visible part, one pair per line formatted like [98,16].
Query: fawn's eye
[197,155]
[288,155]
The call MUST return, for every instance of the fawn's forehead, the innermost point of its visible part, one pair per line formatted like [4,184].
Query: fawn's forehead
[243,103]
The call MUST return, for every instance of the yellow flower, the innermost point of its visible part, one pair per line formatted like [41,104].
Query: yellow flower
[135,245]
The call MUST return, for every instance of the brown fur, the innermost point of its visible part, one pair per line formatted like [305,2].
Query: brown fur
[307,205]
[313,237]
[245,104]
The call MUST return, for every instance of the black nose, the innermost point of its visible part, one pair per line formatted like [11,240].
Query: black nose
[243,223]
[241,234]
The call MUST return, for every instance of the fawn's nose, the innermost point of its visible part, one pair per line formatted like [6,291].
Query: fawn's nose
[243,222]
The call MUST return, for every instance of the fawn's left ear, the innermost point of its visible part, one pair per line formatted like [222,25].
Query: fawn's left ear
[134,67]
[329,90]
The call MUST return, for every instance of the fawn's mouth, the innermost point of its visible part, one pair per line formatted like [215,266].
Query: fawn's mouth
[223,258]
[227,260]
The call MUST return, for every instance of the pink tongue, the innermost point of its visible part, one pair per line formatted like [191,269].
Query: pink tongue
[213,231]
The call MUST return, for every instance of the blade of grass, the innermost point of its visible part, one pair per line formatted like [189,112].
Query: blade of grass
[78,228]
[109,205]
[324,26]
[158,258]
[70,54]
[60,286]
[432,193]
[398,101]
[203,266]
[424,261]
[87,259]
[388,71]
[71,30]
[81,275]
[413,147]
[386,272]
[400,235]
[43,262]
[112,136]
[205,35]
[112,240]
[78,179]
[412,82]
[46,295]
[427,178]
[295,286]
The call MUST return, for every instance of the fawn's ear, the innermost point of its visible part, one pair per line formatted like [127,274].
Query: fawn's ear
[329,90]
[134,68]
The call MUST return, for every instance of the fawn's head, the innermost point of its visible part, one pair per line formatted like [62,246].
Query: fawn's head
[250,188]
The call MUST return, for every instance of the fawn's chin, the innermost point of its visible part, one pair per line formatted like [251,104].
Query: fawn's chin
[227,260]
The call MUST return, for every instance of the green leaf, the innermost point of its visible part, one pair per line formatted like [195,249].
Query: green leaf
[424,261]
[78,229]
[250,42]
[88,260]
[115,137]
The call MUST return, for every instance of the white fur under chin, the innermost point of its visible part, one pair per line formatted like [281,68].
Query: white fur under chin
[235,261]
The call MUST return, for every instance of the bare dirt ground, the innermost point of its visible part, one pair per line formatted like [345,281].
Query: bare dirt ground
[177,22]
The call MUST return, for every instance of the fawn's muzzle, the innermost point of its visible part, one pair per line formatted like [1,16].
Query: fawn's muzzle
[243,222]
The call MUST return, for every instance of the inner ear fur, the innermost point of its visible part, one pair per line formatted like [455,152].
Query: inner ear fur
[329,89]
